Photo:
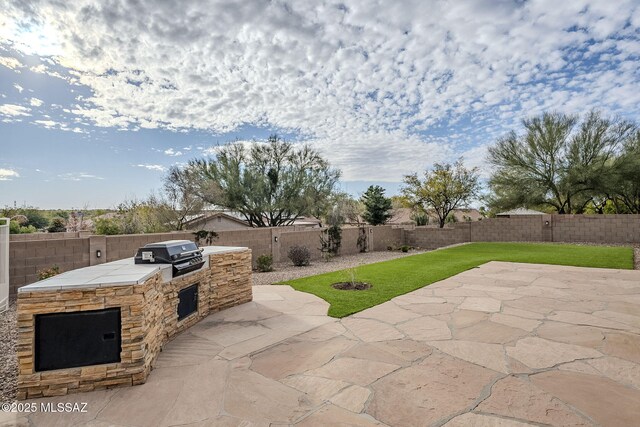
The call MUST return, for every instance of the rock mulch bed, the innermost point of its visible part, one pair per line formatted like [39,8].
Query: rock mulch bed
[286,271]
[8,361]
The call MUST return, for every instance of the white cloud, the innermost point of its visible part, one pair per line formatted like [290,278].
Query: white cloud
[35,102]
[18,87]
[172,152]
[78,176]
[381,87]
[11,63]
[13,110]
[158,168]
[8,174]
[52,124]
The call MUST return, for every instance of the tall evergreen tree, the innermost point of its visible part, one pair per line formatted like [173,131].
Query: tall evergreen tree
[377,207]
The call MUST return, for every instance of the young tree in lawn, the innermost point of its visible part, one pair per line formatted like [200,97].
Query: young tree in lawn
[271,184]
[377,207]
[444,188]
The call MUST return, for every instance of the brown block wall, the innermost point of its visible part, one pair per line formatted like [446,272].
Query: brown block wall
[433,238]
[48,236]
[385,236]
[257,239]
[596,228]
[514,229]
[26,258]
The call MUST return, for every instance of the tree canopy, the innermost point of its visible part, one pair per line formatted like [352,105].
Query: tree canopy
[444,188]
[270,184]
[559,161]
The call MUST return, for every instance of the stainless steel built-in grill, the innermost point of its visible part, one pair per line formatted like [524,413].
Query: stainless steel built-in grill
[183,255]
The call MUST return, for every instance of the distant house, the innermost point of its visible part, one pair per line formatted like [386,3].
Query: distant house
[229,220]
[404,216]
[218,221]
[518,212]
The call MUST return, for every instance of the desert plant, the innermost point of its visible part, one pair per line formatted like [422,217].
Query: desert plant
[299,255]
[421,219]
[264,263]
[327,256]
[363,240]
[331,240]
[108,226]
[203,235]
[352,276]
[49,272]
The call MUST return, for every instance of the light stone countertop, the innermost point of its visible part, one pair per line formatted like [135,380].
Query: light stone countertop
[116,273]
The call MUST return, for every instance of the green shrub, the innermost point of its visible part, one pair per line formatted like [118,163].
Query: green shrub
[404,248]
[57,225]
[108,226]
[264,263]
[299,255]
[16,228]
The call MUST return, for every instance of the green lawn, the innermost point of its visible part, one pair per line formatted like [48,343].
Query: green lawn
[399,276]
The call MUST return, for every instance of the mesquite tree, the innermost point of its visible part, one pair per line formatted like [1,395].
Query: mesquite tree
[557,161]
[270,184]
[446,187]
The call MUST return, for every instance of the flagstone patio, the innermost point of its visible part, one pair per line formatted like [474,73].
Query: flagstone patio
[504,344]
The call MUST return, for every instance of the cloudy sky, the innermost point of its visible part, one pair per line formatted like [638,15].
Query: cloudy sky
[98,98]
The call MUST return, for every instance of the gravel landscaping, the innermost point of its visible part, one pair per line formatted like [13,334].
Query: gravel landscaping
[287,271]
[8,361]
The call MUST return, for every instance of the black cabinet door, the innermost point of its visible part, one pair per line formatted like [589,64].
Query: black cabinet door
[187,301]
[82,338]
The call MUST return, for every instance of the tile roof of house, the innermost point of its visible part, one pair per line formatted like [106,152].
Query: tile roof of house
[520,211]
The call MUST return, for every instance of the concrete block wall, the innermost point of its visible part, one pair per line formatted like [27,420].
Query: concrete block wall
[259,240]
[27,258]
[386,236]
[378,238]
[618,229]
[309,238]
[520,229]
[48,236]
[432,238]
[591,228]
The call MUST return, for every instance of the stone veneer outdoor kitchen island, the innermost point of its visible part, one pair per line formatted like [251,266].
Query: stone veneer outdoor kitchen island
[142,299]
